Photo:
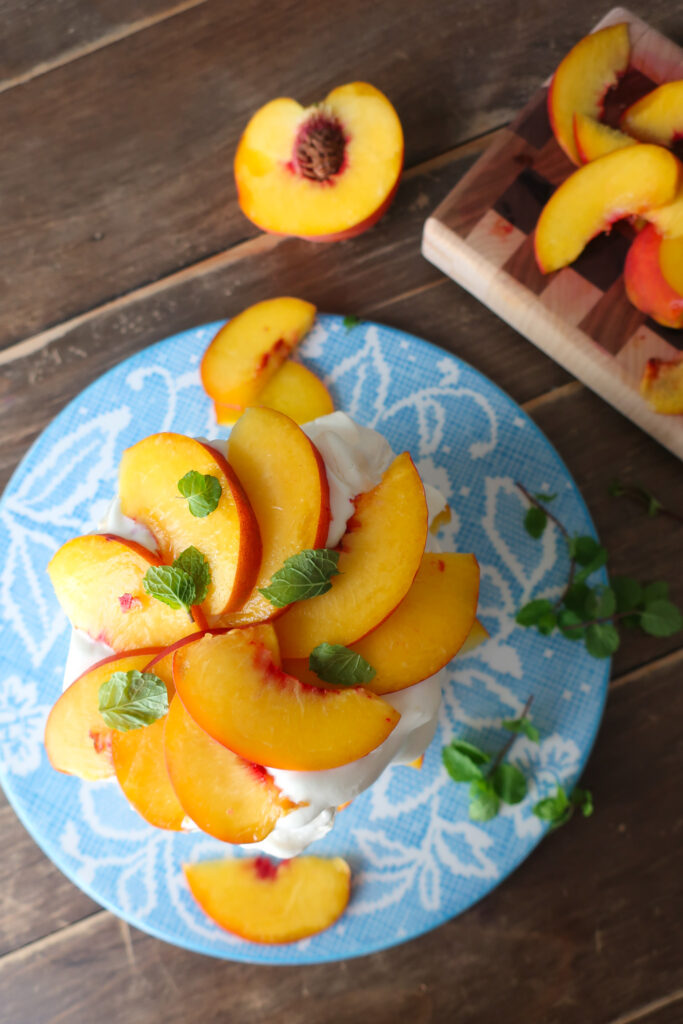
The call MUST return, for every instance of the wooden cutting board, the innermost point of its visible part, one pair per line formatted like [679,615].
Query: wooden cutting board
[482,236]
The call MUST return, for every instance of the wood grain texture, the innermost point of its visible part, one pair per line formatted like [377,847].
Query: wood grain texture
[568,938]
[117,166]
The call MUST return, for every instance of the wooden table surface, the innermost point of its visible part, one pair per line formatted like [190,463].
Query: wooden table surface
[119,225]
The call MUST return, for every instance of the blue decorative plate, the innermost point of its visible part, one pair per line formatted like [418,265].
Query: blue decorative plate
[416,858]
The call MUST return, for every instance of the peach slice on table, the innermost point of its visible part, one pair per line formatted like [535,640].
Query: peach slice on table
[293,390]
[662,386]
[425,631]
[579,85]
[77,739]
[380,555]
[228,537]
[657,116]
[626,182]
[233,689]
[98,582]
[226,796]
[653,277]
[325,172]
[251,347]
[595,139]
[286,484]
[268,902]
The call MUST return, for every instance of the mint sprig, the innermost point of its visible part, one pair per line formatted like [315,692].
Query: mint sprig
[351,320]
[193,562]
[304,575]
[130,700]
[558,808]
[182,584]
[202,491]
[336,664]
[636,492]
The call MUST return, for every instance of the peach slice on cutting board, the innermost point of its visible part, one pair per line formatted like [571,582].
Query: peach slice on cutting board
[653,277]
[626,182]
[657,116]
[426,630]
[98,582]
[325,172]
[293,390]
[595,139]
[584,76]
[77,739]
[285,481]
[262,901]
[380,555]
[228,537]
[233,689]
[662,386]
[251,347]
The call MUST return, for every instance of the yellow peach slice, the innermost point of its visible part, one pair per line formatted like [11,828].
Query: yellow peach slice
[671,262]
[226,796]
[380,555]
[626,182]
[427,629]
[584,76]
[77,739]
[251,347]
[286,484]
[267,902]
[325,172]
[662,386]
[595,139]
[650,278]
[234,690]
[293,390]
[668,219]
[658,116]
[228,537]
[476,636]
[98,582]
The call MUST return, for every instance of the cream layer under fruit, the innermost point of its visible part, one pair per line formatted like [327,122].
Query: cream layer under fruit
[355,459]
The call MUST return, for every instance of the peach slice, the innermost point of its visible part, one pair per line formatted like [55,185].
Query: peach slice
[651,288]
[229,798]
[595,139]
[662,385]
[476,636]
[234,690]
[668,219]
[380,555]
[251,347]
[584,76]
[427,629]
[228,537]
[293,390]
[658,116]
[98,582]
[286,484]
[262,901]
[324,172]
[628,181]
[77,739]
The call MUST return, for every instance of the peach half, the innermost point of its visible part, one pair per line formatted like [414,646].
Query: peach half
[228,537]
[98,582]
[77,739]
[233,689]
[251,347]
[662,386]
[286,484]
[653,276]
[428,628]
[324,172]
[595,139]
[262,901]
[293,390]
[626,182]
[579,85]
[380,556]
[658,116]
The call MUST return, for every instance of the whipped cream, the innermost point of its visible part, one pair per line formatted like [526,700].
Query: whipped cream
[355,458]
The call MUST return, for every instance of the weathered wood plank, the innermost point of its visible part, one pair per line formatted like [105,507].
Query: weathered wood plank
[117,167]
[587,931]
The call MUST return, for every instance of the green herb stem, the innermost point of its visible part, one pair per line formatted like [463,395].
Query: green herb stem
[504,751]
[597,622]
[565,533]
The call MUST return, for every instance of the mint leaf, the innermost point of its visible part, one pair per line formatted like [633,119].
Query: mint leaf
[555,809]
[302,576]
[661,618]
[654,591]
[628,593]
[583,799]
[535,521]
[570,625]
[546,623]
[524,726]
[171,585]
[583,549]
[601,604]
[509,783]
[484,801]
[602,639]
[129,700]
[463,761]
[529,614]
[336,664]
[576,597]
[202,491]
[196,566]
[593,566]
[351,320]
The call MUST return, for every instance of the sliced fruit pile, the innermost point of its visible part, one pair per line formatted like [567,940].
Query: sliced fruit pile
[243,641]
[626,172]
